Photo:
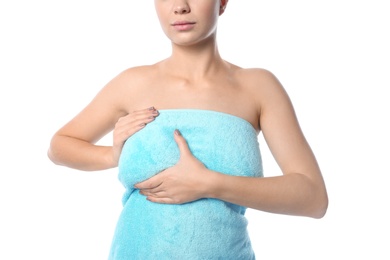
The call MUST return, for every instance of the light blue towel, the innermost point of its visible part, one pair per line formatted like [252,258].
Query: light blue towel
[203,229]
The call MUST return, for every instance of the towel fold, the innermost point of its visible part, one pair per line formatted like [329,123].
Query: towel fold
[203,229]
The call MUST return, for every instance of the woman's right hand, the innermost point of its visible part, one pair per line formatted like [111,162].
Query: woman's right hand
[129,125]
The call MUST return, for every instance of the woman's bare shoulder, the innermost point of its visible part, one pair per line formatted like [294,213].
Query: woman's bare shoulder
[140,70]
[263,87]
[135,75]
[261,82]
[124,89]
[129,81]
[258,77]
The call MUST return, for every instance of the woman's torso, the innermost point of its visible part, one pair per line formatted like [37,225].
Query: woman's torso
[224,99]
[202,229]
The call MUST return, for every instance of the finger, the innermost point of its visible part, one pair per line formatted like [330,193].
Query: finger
[151,111]
[149,184]
[162,200]
[144,118]
[141,116]
[133,122]
[124,124]
[153,192]
[123,133]
[181,143]
[143,111]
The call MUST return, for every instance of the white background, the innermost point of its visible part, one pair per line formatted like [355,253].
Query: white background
[331,56]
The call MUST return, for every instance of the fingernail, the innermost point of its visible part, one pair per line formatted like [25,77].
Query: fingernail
[151,108]
[177,132]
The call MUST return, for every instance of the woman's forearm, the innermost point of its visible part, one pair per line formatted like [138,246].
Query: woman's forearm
[79,154]
[292,194]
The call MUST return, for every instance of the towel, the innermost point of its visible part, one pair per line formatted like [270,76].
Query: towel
[202,229]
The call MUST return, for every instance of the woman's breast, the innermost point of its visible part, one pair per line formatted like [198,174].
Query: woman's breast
[222,142]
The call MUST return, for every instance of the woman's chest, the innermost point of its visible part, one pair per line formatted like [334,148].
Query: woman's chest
[228,98]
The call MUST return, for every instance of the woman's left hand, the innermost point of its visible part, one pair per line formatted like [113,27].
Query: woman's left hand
[181,183]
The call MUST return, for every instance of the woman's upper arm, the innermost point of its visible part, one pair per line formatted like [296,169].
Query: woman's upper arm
[282,131]
[100,115]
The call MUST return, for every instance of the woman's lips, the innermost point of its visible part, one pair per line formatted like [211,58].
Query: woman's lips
[183,25]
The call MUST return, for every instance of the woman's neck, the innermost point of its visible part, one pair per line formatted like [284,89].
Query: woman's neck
[196,61]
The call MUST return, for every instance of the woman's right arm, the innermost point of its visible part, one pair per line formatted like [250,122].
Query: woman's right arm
[74,144]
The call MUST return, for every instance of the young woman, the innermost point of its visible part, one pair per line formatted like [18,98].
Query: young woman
[185,142]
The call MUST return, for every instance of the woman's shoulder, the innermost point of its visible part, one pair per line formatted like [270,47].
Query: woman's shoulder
[138,71]
[258,79]
[256,75]
[262,85]
[131,78]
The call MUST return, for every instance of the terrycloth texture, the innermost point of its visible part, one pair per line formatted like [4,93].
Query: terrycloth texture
[204,229]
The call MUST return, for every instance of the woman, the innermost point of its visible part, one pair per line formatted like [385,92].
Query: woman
[185,142]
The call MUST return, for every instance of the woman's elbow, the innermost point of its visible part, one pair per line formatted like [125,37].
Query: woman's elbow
[319,206]
[52,155]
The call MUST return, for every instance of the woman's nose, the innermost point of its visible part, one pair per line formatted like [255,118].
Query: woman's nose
[181,7]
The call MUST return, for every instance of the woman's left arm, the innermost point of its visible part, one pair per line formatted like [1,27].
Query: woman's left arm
[301,189]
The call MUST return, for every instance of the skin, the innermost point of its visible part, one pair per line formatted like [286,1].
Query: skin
[195,68]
